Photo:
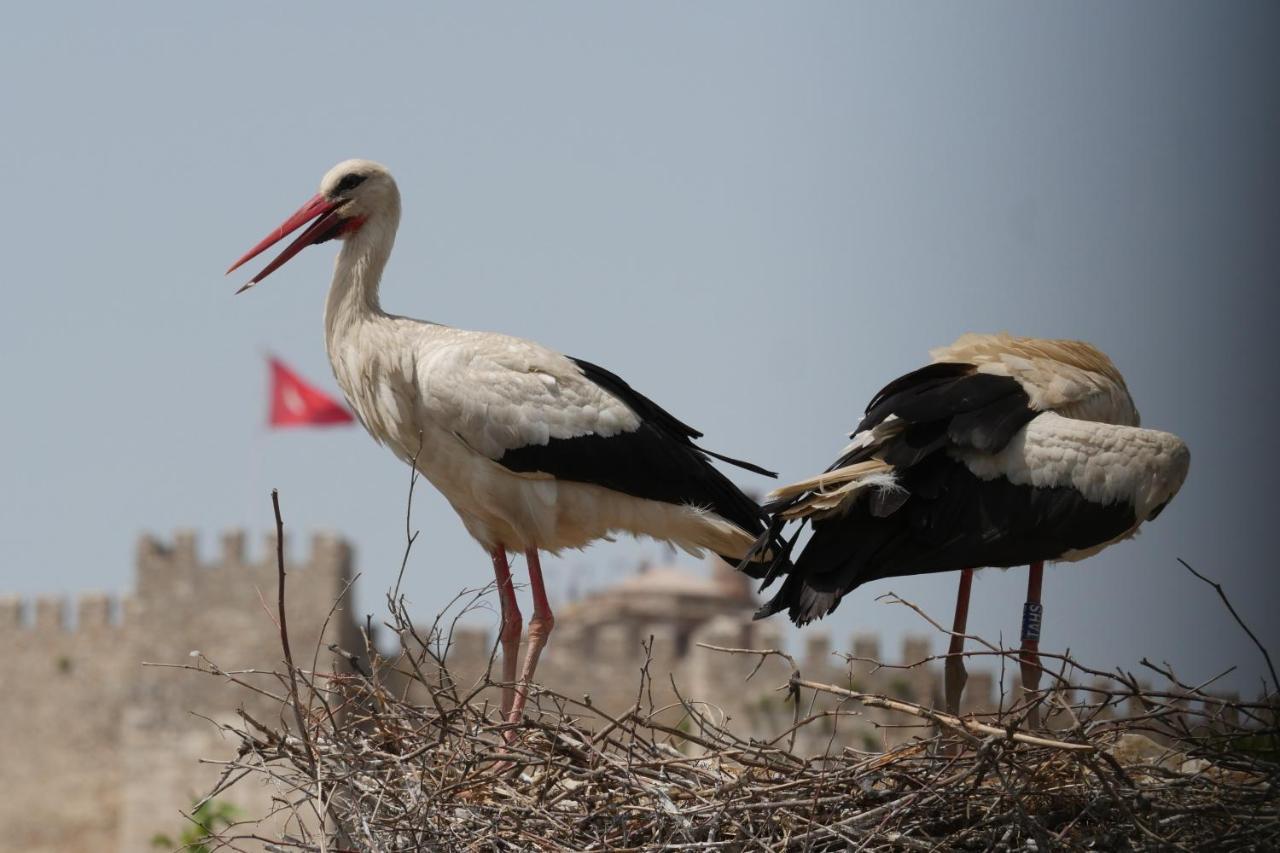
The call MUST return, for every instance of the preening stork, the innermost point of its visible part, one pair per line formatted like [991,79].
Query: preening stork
[1004,451]
[535,451]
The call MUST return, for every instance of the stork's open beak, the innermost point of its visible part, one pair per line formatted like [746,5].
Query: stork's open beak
[328,224]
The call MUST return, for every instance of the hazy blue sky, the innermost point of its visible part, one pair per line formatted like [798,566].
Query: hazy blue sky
[756,213]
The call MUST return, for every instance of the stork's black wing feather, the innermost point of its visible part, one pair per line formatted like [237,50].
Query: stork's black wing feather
[952,520]
[658,460]
[946,404]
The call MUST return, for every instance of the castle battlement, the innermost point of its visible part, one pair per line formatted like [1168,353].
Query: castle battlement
[52,614]
[95,611]
[182,552]
[176,567]
[174,586]
[99,751]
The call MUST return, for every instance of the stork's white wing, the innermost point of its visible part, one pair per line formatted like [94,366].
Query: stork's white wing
[498,393]
[1104,463]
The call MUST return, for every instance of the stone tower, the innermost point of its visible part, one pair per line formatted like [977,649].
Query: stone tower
[98,752]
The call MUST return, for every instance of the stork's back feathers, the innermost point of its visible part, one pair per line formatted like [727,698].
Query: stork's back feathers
[1072,378]
[967,462]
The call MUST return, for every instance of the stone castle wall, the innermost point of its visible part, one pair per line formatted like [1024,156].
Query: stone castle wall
[98,752]
[62,704]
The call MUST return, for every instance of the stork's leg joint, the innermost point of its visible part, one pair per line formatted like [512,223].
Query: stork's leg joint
[541,626]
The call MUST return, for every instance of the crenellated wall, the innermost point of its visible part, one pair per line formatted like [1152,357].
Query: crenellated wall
[59,722]
[98,752]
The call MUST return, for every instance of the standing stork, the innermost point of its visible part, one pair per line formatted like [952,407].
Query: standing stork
[1004,451]
[535,451]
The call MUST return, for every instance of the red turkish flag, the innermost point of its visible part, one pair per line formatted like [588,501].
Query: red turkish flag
[295,403]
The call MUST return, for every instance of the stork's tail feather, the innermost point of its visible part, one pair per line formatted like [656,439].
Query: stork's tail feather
[803,603]
[826,569]
[746,466]
[770,555]
[808,593]
[830,490]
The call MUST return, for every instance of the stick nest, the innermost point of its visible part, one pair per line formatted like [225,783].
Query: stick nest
[393,755]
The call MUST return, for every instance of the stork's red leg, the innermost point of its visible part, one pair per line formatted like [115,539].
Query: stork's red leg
[1029,656]
[954,673]
[540,627]
[512,627]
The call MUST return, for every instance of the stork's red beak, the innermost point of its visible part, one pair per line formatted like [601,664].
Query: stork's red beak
[328,224]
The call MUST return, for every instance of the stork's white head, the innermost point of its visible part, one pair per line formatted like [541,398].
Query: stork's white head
[355,195]
[363,188]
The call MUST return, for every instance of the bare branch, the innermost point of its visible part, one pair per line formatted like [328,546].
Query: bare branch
[1217,587]
[282,620]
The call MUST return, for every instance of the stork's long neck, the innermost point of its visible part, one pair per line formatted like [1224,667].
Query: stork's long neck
[353,295]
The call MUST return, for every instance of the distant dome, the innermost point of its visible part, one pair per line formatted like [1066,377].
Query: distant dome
[730,582]
[670,580]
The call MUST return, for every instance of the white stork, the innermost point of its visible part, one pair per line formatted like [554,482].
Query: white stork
[534,450]
[1003,451]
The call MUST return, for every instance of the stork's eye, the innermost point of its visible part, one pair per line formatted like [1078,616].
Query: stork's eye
[350,182]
